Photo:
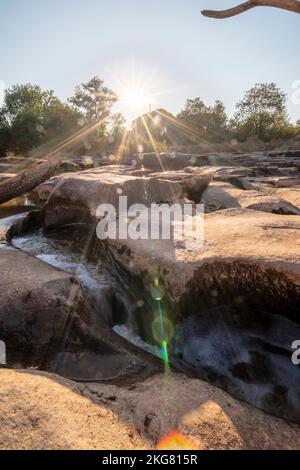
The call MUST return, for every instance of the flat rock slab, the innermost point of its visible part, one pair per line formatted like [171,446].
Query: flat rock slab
[220,196]
[231,235]
[43,411]
[70,196]
[102,185]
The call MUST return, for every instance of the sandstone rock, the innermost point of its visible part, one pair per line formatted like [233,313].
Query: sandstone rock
[237,176]
[72,197]
[165,162]
[43,411]
[193,186]
[291,195]
[278,182]
[35,307]
[230,235]
[220,196]
[233,304]
[48,320]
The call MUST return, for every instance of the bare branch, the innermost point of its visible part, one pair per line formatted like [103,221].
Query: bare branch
[290,5]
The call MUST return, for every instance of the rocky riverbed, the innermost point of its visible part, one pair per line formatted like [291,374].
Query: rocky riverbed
[87,310]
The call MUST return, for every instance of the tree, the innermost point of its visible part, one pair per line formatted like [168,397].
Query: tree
[59,119]
[32,116]
[116,127]
[209,119]
[93,99]
[26,98]
[290,5]
[262,111]
[5,135]
[23,110]
[25,132]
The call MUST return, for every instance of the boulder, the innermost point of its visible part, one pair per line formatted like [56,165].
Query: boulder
[193,185]
[220,196]
[231,235]
[233,304]
[291,195]
[48,320]
[38,303]
[74,197]
[165,162]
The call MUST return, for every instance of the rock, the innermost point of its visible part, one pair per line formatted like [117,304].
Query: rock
[237,176]
[193,186]
[66,167]
[233,305]
[230,308]
[33,404]
[220,196]
[278,182]
[291,195]
[270,204]
[75,196]
[48,320]
[266,159]
[35,307]
[250,236]
[42,412]
[166,162]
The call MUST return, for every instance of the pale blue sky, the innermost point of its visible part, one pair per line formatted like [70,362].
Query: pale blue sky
[60,43]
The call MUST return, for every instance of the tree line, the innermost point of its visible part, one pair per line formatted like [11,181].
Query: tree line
[261,113]
[31,117]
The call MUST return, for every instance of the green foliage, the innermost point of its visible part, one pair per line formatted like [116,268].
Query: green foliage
[29,117]
[210,120]
[5,135]
[59,119]
[93,100]
[26,98]
[32,117]
[116,127]
[26,132]
[261,112]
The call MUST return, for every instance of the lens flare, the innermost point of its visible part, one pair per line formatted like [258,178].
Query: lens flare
[162,329]
[176,441]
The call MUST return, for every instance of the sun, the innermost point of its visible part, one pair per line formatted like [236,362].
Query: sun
[135,101]
[136,98]
[140,85]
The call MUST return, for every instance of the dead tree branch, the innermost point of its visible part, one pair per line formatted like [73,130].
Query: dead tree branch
[290,5]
